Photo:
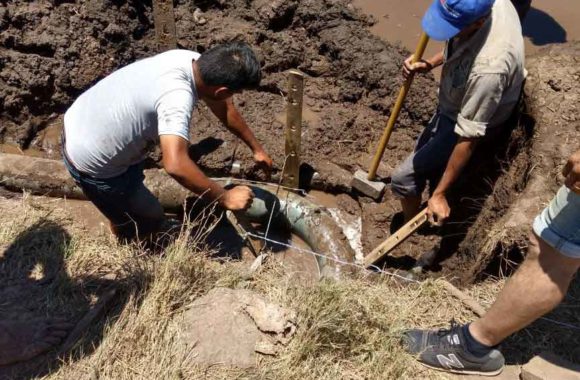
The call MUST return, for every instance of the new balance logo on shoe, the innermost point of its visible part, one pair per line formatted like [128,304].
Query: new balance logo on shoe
[450,361]
[453,339]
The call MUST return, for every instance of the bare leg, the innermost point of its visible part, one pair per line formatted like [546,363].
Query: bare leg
[536,288]
[411,206]
[23,340]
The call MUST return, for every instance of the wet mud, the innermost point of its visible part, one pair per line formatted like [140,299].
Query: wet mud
[352,80]
[51,51]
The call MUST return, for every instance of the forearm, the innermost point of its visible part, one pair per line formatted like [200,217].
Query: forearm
[436,60]
[459,158]
[237,125]
[190,176]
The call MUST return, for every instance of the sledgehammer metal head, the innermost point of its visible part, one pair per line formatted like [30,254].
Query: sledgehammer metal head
[372,189]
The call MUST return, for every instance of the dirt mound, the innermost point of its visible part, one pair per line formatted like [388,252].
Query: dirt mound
[52,51]
[228,327]
[533,175]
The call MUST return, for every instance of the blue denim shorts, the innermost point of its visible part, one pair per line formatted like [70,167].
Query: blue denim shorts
[559,223]
[123,199]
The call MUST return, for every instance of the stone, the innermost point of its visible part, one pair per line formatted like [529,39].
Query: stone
[372,189]
[548,366]
[230,326]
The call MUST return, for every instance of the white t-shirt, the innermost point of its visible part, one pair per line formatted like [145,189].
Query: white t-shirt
[112,125]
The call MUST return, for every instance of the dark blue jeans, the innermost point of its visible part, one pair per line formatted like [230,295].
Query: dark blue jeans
[123,199]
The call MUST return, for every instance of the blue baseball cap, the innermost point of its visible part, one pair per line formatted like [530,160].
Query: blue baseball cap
[445,18]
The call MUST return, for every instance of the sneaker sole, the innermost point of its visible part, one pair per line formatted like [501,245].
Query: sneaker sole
[460,372]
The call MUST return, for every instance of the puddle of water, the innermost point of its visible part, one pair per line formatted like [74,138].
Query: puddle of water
[549,21]
[324,199]
[48,139]
[351,225]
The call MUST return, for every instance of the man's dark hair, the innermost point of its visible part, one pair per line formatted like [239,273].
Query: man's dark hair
[233,65]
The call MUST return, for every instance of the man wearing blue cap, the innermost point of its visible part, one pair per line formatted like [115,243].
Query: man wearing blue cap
[483,71]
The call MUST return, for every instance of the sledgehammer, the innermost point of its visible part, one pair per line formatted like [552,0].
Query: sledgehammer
[363,182]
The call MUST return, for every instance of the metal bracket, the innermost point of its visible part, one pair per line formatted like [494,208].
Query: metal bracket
[164,24]
[293,128]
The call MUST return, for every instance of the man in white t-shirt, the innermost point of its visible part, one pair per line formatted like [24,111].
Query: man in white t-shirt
[110,127]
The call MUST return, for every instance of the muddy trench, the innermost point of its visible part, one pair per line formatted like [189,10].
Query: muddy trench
[52,51]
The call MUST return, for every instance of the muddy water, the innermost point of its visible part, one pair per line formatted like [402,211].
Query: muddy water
[549,21]
[46,144]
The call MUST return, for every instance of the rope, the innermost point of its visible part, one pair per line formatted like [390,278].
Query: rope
[297,190]
[391,274]
[277,191]
[342,262]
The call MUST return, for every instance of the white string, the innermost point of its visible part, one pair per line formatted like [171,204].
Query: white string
[297,190]
[342,262]
[346,263]
[277,191]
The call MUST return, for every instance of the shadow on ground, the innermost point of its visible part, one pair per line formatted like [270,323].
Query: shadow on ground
[543,29]
[34,283]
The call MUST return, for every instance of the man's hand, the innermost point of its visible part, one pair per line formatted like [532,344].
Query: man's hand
[238,198]
[438,209]
[421,66]
[572,173]
[264,162]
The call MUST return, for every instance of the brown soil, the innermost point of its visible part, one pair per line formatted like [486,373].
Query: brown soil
[533,175]
[51,51]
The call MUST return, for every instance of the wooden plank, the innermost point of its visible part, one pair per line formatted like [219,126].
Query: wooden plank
[293,128]
[164,24]
[397,238]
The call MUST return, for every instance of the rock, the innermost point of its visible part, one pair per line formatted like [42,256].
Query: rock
[198,17]
[548,366]
[229,326]
[275,12]
[114,32]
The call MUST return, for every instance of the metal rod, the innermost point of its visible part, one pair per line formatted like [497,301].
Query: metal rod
[293,128]
[164,24]
[396,109]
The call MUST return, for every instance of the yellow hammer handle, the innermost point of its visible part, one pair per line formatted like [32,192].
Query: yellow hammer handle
[396,109]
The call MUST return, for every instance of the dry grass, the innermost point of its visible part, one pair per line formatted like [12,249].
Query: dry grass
[346,330]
